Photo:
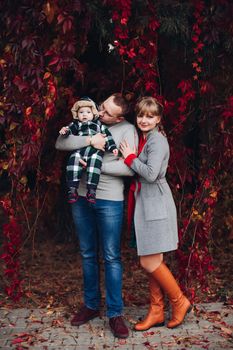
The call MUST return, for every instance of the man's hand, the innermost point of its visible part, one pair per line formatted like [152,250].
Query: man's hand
[64,130]
[125,149]
[98,141]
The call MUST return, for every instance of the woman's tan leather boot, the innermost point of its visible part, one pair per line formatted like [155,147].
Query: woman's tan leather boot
[155,315]
[179,303]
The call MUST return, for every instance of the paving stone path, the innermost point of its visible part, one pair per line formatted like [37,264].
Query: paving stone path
[210,327]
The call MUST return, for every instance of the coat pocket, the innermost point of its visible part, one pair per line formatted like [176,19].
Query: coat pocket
[154,204]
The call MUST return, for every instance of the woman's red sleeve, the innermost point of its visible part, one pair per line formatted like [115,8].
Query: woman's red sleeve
[128,160]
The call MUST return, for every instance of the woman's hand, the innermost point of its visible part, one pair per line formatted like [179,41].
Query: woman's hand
[125,149]
[98,141]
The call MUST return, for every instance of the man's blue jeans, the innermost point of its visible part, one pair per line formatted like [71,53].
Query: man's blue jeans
[99,226]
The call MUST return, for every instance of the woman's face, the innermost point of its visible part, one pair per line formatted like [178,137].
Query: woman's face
[147,122]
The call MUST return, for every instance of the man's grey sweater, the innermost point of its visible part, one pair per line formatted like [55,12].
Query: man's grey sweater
[111,185]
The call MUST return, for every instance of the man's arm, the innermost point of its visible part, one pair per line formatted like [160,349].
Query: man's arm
[72,142]
[115,166]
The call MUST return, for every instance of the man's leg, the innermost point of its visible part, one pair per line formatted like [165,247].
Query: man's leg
[109,215]
[85,224]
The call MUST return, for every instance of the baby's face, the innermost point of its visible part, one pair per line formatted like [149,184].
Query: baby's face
[85,114]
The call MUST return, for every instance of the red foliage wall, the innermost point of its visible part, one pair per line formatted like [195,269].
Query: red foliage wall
[54,51]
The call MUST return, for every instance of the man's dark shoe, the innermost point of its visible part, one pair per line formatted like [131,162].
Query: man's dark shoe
[83,316]
[118,327]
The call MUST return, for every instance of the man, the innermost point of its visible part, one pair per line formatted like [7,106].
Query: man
[100,224]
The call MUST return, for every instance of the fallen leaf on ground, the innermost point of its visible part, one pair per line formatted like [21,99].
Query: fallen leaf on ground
[226,330]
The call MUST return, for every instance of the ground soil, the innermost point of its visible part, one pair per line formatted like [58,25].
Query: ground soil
[52,276]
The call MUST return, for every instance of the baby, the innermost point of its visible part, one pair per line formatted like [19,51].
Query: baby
[86,122]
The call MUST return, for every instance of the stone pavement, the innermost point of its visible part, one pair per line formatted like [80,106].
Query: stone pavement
[210,326]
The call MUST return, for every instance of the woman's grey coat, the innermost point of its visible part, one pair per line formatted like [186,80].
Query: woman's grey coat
[155,216]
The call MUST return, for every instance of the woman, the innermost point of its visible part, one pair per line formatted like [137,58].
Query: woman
[155,215]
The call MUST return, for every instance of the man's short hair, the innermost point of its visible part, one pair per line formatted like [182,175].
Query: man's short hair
[121,101]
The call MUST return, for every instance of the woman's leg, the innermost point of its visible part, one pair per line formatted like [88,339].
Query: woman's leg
[160,273]
[151,262]
[155,315]
[180,304]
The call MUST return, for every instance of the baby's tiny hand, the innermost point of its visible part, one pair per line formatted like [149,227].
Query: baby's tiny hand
[63,130]
[115,152]
[83,163]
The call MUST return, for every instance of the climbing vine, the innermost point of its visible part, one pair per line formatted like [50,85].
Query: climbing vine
[53,51]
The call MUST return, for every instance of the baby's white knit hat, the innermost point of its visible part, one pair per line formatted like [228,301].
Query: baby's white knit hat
[84,102]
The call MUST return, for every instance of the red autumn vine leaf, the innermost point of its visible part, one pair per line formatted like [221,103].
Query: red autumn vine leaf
[29,151]
[67,25]
[154,25]
[54,61]
[28,111]
[21,85]
[206,87]
[195,38]
[18,340]
[184,85]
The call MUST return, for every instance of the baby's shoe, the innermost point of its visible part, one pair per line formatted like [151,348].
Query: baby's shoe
[72,195]
[91,196]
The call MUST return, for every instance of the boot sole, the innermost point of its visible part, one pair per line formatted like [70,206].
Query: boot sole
[154,325]
[187,312]
[117,335]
